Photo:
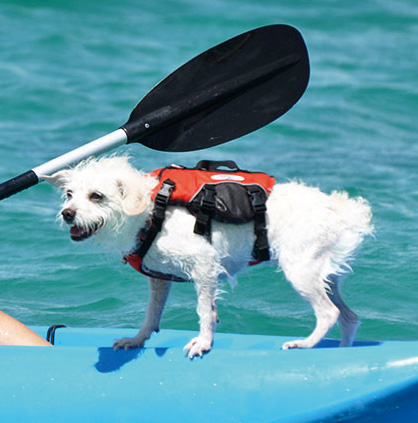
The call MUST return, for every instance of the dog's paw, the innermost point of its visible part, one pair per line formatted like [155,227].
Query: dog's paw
[197,347]
[298,343]
[127,344]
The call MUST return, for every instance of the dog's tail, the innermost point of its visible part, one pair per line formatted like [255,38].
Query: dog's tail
[355,224]
[356,214]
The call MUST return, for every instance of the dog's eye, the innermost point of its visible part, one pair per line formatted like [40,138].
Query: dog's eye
[96,196]
[69,195]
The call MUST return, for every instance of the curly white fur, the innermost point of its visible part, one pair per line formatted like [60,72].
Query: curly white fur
[312,237]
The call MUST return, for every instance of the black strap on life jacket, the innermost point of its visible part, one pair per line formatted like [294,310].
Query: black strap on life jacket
[261,246]
[204,216]
[157,219]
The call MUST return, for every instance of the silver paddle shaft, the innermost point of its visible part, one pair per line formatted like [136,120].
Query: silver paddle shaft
[98,146]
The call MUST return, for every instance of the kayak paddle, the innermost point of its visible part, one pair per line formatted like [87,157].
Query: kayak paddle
[228,91]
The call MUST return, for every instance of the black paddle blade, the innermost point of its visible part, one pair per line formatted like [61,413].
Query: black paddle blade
[226,92]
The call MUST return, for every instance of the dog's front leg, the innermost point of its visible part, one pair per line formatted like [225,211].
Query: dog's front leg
[206,309]
[159,290]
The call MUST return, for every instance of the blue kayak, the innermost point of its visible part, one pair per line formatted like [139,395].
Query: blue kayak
[245,378]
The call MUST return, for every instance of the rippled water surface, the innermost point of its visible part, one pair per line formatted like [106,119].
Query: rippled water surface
[72,71]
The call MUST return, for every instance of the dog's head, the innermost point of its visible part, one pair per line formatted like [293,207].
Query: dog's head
[100,195]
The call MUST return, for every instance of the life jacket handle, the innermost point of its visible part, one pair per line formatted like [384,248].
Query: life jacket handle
[213,166]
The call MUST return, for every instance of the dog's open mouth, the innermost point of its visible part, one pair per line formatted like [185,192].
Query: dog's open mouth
[80,233]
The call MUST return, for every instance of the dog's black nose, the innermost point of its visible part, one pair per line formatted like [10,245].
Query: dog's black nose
[68,215]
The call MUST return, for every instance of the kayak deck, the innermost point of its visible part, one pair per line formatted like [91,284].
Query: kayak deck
[245,378]
[104,337]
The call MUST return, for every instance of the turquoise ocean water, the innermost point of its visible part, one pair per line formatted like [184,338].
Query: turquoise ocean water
[71,71]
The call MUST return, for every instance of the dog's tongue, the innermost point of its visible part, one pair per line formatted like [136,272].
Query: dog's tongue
[76,231]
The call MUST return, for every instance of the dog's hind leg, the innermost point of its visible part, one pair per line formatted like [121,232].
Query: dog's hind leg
[348,320]
[325,311]
[159,290]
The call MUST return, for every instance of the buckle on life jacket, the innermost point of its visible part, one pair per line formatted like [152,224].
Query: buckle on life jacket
[161,201]
[157,219]
[204,216]
[261,249]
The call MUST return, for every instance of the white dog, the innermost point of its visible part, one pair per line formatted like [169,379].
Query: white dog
[312,237]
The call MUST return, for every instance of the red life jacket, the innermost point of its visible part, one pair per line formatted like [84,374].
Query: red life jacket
[190,182]
[208,192]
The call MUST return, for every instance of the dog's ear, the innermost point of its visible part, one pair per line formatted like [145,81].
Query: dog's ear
[133,201]
[58,179]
